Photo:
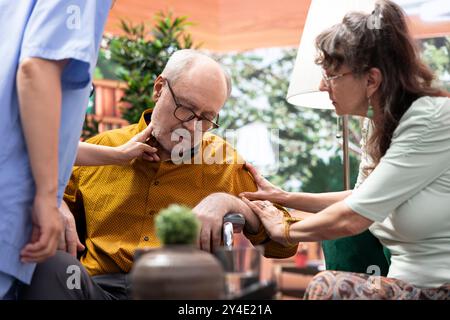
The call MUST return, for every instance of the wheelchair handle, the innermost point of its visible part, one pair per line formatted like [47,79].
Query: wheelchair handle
[233,222]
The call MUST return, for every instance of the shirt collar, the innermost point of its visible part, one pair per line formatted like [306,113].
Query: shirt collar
[145,119]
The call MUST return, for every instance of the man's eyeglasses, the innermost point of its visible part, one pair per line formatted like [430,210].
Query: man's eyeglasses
[185,114]
[328,79]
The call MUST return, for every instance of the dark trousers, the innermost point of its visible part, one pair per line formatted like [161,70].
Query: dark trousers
[63,277]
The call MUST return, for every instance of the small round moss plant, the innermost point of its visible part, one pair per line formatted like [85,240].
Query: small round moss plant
[177,225]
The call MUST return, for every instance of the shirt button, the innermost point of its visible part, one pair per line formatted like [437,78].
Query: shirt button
[156,182]
[146,238]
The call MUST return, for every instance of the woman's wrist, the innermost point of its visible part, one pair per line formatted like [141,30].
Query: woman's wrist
[46,190]
[282,197]
[288,222]
[118,155]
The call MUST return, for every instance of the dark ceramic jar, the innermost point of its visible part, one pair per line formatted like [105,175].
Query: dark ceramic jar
[177,272]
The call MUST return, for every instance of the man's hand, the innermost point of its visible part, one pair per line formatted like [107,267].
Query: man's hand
[69,240]
[46,230]
[211,211]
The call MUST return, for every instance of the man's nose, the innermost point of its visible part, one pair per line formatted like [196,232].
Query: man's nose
[193,125]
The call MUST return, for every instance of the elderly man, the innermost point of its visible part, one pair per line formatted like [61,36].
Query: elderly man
[117,204]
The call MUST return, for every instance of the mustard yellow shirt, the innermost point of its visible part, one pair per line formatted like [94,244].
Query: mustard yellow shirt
[119,203]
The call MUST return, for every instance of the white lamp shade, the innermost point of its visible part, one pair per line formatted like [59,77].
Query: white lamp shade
[305,79]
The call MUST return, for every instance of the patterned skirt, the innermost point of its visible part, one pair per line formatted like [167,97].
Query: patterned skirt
[338,285]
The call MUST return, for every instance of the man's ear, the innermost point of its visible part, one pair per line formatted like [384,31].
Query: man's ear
[157,88]
[374,79]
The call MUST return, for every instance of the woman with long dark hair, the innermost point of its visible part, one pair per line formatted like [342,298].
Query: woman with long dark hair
[403,195]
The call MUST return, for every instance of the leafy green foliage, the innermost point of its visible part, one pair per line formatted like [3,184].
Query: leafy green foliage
[328,177]
[105,68]
[142,55]
[436,53]
[177,225]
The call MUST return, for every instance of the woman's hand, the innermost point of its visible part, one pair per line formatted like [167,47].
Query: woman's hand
[100,155]
[46,231]
[271,218]
[136,147]
[266,190]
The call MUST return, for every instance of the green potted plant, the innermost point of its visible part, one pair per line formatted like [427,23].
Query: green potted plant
[141,54]
[177,270]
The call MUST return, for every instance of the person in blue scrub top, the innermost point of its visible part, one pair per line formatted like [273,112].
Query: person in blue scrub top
[49,50]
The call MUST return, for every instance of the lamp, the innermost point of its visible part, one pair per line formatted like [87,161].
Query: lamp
[305,79]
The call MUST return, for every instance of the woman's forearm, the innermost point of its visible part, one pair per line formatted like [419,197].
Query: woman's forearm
[99,155]
[311,202]
[96,155]
[40,109]
[336,221]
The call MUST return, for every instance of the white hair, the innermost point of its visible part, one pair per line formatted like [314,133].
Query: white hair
[182,60]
